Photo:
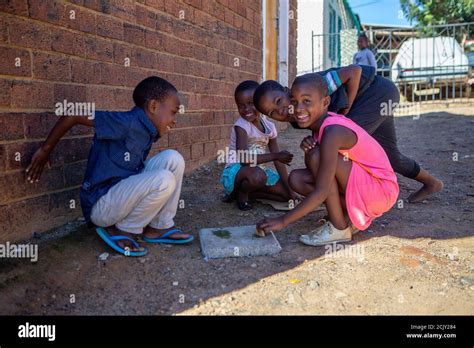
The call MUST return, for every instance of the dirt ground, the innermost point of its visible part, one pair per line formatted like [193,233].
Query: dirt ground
[416,259]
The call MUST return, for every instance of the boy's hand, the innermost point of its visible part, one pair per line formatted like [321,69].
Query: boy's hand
[284,157]
[271,225]
[36,166]
[308,143]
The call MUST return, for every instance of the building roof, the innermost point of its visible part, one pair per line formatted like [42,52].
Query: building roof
[386,25]
[354,18]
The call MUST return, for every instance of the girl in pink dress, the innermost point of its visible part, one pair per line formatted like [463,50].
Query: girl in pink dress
[347,170]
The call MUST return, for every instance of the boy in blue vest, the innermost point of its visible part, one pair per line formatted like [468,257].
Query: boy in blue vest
[124,194]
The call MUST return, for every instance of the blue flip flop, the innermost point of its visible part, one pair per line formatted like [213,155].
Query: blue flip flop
[164,240]
[111,241]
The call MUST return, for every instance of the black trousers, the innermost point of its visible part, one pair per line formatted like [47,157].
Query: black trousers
[366,111]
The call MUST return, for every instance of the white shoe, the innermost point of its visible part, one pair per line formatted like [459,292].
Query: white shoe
[327,234]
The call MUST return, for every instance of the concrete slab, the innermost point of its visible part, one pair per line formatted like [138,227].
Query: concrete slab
[236,241]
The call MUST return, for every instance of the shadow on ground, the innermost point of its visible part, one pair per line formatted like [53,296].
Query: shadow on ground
[412,245]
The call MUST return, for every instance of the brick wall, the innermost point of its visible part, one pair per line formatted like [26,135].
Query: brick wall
[79,51]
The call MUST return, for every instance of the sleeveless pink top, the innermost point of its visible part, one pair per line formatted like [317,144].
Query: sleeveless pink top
[372,187]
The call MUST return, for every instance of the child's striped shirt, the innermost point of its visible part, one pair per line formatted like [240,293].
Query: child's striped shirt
[333,81]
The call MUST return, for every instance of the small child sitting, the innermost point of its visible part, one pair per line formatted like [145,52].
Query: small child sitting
[248,177]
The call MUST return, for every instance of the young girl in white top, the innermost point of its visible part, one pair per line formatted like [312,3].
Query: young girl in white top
[245,176]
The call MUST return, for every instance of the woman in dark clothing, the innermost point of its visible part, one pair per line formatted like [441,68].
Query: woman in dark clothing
[364,100]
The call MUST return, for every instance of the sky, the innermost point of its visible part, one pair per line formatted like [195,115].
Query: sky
[379,11]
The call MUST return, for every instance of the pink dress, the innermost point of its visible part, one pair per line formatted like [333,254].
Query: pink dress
[372,188]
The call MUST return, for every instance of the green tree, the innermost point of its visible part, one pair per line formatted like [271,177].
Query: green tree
[427,13]
[438,12]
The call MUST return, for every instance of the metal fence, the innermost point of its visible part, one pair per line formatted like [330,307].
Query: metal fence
[427,64]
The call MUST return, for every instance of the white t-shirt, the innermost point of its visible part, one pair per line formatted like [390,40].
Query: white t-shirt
[365,57]
[257,141]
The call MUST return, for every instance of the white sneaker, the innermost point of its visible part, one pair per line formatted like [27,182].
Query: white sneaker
[327,234]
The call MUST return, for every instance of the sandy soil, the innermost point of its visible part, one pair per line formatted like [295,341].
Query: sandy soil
[416,259]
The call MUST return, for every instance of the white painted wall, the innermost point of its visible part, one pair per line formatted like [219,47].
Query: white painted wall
[313,15]
[283,34]
[310,17]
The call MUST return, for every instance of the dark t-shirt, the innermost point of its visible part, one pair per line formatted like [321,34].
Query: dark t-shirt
[338,95]
[120,146]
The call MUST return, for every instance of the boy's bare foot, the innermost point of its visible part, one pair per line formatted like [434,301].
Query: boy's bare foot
[430,185]
[425,191]
[124,244]
[154,233]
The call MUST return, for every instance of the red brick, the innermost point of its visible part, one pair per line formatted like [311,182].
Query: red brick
[74,173]
[60,208]
[109,27]
[156,4]
[4,37]
[27,94]
[86,71]
[79,19]
[38,125]
[49,11]
[214,133]
[123,99]
[122,52]
[5,96]
[36,209]
[11,126]
[103,6]
[17,7]
[102,96]
[219,118]
[15,61]
[146,58]
[200,134]
[195,3]
[3,158]
[185,151]
[99,49]
[68,42]
[164,23]
[5,225]
[70,150]
[188,120]
[210,150]
[207,118]
[146,17]
[197,151]
[125,9]
[13,186]
[114,74]
[153,39]
[179,137]
[26,33]
[19,154]
[172,7]
[71,93]
[51,67]
[134,34]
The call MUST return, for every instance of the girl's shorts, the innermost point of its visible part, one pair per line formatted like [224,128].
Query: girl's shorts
[229,173]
